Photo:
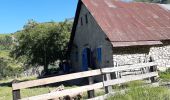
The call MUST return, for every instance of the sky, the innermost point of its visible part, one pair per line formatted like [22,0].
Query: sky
[16,13]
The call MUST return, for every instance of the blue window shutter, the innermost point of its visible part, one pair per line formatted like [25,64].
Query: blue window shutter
[99,55]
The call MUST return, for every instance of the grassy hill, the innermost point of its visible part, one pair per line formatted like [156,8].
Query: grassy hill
[5,41]
[9,67]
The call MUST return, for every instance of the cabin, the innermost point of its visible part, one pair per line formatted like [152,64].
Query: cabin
[109,33]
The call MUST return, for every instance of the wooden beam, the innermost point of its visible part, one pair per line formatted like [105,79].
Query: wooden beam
[91,93]
[55,79]
[108,89]
[126,44]
[16,94]
[130,78]
[62,93]
[128,67]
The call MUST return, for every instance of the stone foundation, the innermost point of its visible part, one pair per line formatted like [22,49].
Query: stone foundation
[133,55]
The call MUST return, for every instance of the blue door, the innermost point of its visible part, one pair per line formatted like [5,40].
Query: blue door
[84,60]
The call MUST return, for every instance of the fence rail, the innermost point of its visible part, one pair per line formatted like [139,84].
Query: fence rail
[106,83]
[55,79]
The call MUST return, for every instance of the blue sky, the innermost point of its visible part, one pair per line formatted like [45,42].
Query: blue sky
[15,13]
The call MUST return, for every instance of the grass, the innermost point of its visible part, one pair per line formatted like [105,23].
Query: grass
[143,93]
[6,92]
[135,92]
[128,85]
[165,76]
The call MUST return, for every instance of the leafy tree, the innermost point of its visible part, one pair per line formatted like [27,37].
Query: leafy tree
[42,43]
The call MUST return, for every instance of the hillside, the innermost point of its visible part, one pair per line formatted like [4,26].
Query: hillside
[9,67]
[5,41]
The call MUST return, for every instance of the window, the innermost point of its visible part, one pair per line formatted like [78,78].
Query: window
[86,18]
[81,21]
[77,56]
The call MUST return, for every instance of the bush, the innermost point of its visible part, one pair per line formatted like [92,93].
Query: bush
[8,71]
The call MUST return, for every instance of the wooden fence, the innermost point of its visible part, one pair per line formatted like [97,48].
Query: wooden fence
[107,84]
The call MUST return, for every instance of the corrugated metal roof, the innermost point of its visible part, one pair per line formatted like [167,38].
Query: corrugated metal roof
[130,22]
[138,43]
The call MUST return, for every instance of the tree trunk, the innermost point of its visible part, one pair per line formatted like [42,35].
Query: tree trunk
[46,69]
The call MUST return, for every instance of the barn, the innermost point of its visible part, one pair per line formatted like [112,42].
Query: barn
[109,33]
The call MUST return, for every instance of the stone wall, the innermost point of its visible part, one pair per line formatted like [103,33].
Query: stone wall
[133,55]
[161,55]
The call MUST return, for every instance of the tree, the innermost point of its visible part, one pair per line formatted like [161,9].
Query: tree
[42,43]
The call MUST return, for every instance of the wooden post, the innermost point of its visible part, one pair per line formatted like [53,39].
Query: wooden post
[91,92]
[16,94]
[152,69]
[108,89]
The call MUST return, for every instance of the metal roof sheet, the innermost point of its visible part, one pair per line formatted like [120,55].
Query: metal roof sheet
[138,43]
[130,21]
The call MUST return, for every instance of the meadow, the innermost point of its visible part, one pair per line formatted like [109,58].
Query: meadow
[135,91]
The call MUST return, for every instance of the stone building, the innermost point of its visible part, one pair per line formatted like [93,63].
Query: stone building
[108,33]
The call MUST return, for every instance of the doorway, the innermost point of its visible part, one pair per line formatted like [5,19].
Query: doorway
[86,59]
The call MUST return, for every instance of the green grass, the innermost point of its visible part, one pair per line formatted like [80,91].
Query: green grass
[165,76]
[128,85]
[135,92]
[6,92]
[143,93]
[35,91]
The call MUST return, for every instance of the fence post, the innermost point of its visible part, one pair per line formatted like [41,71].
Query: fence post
[16,94]
[108,89]
[152,69]
[91,92]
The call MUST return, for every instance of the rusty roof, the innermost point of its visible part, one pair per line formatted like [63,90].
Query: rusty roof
[130,21]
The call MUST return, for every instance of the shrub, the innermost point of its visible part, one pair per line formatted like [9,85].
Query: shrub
[8,71]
